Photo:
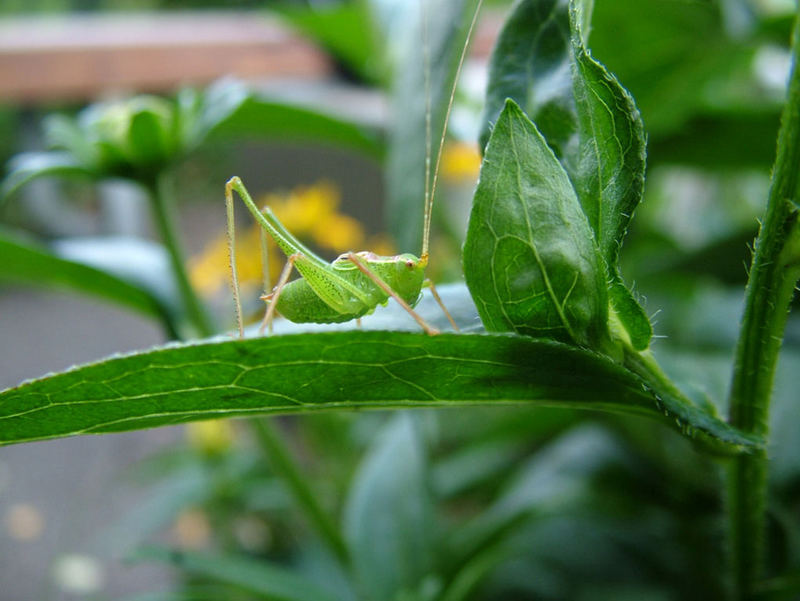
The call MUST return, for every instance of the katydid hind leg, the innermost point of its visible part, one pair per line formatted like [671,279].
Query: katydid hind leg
[276,295]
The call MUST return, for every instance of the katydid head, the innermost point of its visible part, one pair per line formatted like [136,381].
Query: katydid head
[409,273]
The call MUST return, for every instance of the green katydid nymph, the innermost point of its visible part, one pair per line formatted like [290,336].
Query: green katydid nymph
[355,283]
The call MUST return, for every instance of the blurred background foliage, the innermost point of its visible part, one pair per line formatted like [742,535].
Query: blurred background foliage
[468,504]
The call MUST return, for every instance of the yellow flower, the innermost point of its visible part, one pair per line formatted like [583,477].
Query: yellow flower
[339,233]
[460,161]
[309,212]
[211,437]
[380,244]
[304,207]
[209,271]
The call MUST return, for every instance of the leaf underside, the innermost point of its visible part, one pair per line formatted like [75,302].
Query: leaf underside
[341,370]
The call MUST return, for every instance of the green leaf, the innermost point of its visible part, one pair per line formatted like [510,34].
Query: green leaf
[340,370]
[529,256]
[630,314]
[257,576]
[557,476]
[609,178]
[28,263]
[405,171]
[231,110]
[28,166]
[389,521]
[343,29]
[531,65]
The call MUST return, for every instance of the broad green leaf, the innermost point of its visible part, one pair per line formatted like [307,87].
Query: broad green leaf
[609,178]
[340,370]
[231,110]
[531,65]
[389,521]
[261,577]
[346,30]
[405,171]
[554,477]
[529,258]
[28,166]
[28,263]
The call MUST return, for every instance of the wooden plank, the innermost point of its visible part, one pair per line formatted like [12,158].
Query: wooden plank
[90,56]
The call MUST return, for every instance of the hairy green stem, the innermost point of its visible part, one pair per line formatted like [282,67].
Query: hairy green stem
[161,200]
[275,448]
[770,288]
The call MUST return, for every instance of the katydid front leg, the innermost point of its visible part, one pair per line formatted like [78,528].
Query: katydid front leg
[385,287]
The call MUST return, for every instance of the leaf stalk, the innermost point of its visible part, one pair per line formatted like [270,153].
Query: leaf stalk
[162,203]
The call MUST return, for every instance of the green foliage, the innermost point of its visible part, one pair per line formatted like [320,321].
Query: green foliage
[391,501]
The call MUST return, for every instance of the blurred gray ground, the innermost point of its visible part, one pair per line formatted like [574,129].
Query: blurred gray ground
[74,485]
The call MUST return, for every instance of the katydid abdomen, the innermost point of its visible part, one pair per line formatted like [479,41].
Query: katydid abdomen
[302,302]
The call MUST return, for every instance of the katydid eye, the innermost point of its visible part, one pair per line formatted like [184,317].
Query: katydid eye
[410,264]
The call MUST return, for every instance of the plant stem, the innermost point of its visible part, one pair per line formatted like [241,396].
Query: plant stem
[274,447]
[162,202]
[773,275]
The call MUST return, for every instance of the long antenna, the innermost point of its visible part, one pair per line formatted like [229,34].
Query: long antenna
[426,53]
[430,191]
